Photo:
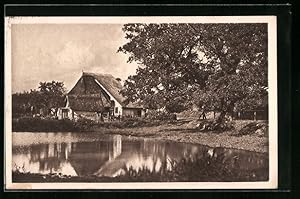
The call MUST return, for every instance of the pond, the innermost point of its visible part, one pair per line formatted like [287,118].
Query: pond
[99,155]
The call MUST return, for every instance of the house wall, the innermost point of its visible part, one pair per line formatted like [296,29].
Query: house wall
[117,104]
[70,114]
[133,112]
[87,115]
[75,115]
[119,110]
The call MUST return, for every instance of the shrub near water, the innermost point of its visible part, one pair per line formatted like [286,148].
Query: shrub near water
[212,125]
[258,128]
[49,125]
[45,125]
[90,125]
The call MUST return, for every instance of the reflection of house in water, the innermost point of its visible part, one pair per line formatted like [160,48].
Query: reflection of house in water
[87,158]
[111,156]
[84,157]
[149,154]
[68,150]
[106,158]
[116,147]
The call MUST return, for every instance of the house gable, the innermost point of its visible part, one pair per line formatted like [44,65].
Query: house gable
[109,84]
[86,95]
[117,103]
[87,86]
[94,92]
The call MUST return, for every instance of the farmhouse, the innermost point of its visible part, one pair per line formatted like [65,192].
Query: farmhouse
[97,97]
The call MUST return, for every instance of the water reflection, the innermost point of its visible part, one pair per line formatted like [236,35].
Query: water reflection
[77,155]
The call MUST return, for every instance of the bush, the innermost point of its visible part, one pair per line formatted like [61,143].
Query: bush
[84,124]
[161,115]
[53,125]
[215,126]
[42,125]
[258,128]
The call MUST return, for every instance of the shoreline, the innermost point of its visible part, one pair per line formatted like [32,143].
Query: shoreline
[169,132]
[178,131]
[211,139]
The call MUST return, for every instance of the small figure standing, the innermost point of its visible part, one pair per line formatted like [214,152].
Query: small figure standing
[203,113]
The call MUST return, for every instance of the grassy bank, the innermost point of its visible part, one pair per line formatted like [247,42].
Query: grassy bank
[243,135]
[186,132]
[30,124]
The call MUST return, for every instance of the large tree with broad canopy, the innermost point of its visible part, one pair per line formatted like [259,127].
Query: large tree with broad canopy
[221,66]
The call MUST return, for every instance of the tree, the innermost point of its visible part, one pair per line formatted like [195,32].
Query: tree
[239,72]
[164,53]
[51,94]
[221,65]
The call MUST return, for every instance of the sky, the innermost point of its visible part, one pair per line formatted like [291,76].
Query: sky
[60,52]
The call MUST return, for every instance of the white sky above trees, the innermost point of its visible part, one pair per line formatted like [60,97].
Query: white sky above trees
[46,52]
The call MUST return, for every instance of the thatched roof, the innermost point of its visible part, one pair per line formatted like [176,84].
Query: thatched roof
[88,84]
[88,103]
[110,83]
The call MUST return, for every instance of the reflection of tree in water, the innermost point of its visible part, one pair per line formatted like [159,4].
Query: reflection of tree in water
[111,157]
[239,159]
[220,164]
[155,151]
[199,163]
[50,156]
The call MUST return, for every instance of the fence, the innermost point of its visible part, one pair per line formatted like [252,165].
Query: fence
[251,115]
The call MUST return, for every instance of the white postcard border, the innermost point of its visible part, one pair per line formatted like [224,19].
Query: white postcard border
[273,117]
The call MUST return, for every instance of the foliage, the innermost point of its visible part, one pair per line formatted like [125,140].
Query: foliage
[50,95]
[85,124]
[259,128]
[37,124]
[223,66]
[42,125]
[215,126]
[160,115]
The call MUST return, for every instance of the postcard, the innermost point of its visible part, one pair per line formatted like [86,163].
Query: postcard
[141,102]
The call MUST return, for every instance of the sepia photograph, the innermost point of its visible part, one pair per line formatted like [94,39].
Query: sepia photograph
[141,102]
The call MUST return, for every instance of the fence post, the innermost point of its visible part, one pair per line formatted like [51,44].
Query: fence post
[254,115]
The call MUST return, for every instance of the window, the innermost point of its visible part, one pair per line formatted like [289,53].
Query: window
[116,110]
[64,113]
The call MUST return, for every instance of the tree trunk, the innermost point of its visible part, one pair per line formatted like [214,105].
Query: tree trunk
[228,109]
[221,117]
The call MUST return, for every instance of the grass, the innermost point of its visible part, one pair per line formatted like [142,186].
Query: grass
[30,124]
